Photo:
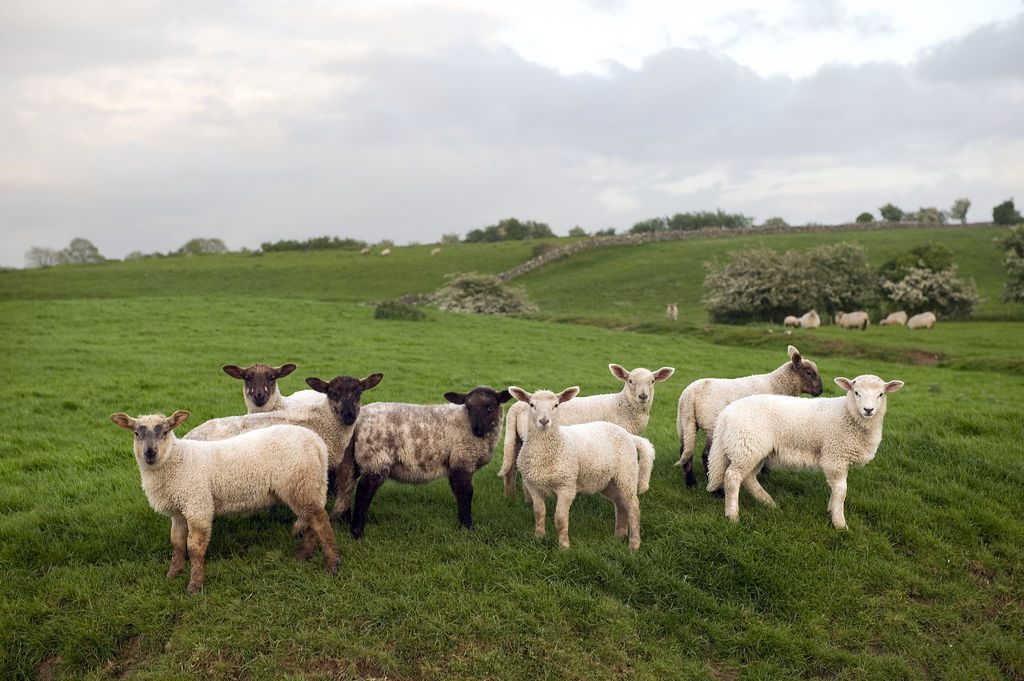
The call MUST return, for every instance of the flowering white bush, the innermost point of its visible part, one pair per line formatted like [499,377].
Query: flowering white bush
[938,291]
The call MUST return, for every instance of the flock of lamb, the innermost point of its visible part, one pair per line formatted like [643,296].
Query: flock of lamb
[290,449]
[861,320]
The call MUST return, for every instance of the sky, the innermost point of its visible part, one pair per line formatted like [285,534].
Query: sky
[142,124]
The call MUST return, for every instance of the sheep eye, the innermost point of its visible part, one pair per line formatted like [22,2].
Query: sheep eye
[856,393]
[881,394]
[556,406]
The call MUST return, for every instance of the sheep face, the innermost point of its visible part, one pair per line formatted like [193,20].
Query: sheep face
[152,434]
[484,407]
[865,395]
[543,405]
[810,379]
[344,394]
[639,388]
[260,379]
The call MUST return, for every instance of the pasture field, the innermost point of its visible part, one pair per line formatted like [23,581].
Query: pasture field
[927,583]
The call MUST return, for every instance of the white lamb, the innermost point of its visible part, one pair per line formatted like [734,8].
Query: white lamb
[853,320]
[828,434]
[332,418]
[704,399]
[925,320]
[191,482]
[597,457]
[261,392]
[791,320]
[894,319]
[810,320]
[629,408]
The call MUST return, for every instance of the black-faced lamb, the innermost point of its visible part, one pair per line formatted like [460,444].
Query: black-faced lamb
[592,458]
[828,434]
[332,417]
[192,481]
[629,408]
[417,443]
[702,401]
[260,389]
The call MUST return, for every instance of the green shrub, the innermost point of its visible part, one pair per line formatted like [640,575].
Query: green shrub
[865,217]
[1006,214]
[482,294]
[775,223]
[1014,261]
[394,310]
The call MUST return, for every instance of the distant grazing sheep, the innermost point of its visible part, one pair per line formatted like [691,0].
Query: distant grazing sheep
[810,320]
[791,320]
[702,401]
[894,319]
[629,408]
[591,458]
[852,320]
[925,320]
[261,392]
[365,251]
[435,251]
[192,481]
[672,312]
[830,434]
[386,251]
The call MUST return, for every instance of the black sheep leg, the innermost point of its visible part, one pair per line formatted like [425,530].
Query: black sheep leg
[462,487]
[369,483]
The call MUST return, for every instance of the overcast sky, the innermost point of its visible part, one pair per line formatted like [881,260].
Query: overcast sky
[142,124]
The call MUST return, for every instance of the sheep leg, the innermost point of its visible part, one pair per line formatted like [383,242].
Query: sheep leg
[344,482]
[321,526]
[837,500]
[179,539]
[510,475]
[733,479]
[461,483]
[540,513]
[369,483]
[754,487]
[308,544]
[565,499]
[634,523]
[705,455]
[621,510]
[198,541]
[686,458]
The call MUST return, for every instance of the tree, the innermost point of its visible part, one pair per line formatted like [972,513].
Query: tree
[510,229]
[1013,258]
[774,223]
[1006,214]
[577,231]
[932,256]
[865,217]
[927,216]
[610,231]
[939,291]
[650,225]
[202,247]
[81,252]
[890,213]
[38,256]
[450,238]
[959,210]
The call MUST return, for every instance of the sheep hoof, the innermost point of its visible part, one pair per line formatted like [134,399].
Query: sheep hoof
[357,533]
[563,547]
[194,587]
[173,572]
[733,517]
[332,567]
[634,547]
[342,516]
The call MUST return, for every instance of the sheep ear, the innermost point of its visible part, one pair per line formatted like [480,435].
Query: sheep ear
[519,393]
[618,372]
[663,373]
[455,398]
[234,371]
[317,384]
[893,386]
[794,356]
[568,394]
[123,420]
[371,381]
[504,396]
[176,419]
[844,383]
[284,370]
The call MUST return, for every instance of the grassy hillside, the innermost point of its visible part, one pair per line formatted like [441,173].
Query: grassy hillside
[926,584]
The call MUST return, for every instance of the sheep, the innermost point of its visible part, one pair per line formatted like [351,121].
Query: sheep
[595,457]
[895,319]
[332,418]
[672,312]
[365,251]
[702,401]
[810,320]
[853,320]
[925,320]
[629,408]
[791,320]
[831,435]
[417,443]
[435,251]
[192,481]
[260,391]
[386,251]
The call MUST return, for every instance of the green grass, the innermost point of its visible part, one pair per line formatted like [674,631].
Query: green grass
[926,584]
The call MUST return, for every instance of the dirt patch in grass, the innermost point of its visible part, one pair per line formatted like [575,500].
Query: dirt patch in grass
[46,669]
[922,357]
[126,658]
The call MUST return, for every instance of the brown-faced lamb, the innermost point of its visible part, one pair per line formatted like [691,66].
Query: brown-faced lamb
[595,457]
[260,389]
[192,481]
[702,401]
[629,408]
[828,434]
[417,443]
[332,418]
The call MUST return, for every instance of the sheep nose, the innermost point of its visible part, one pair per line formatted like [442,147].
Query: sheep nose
[150,455]
[545,421]
[868,411]
[643,398]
